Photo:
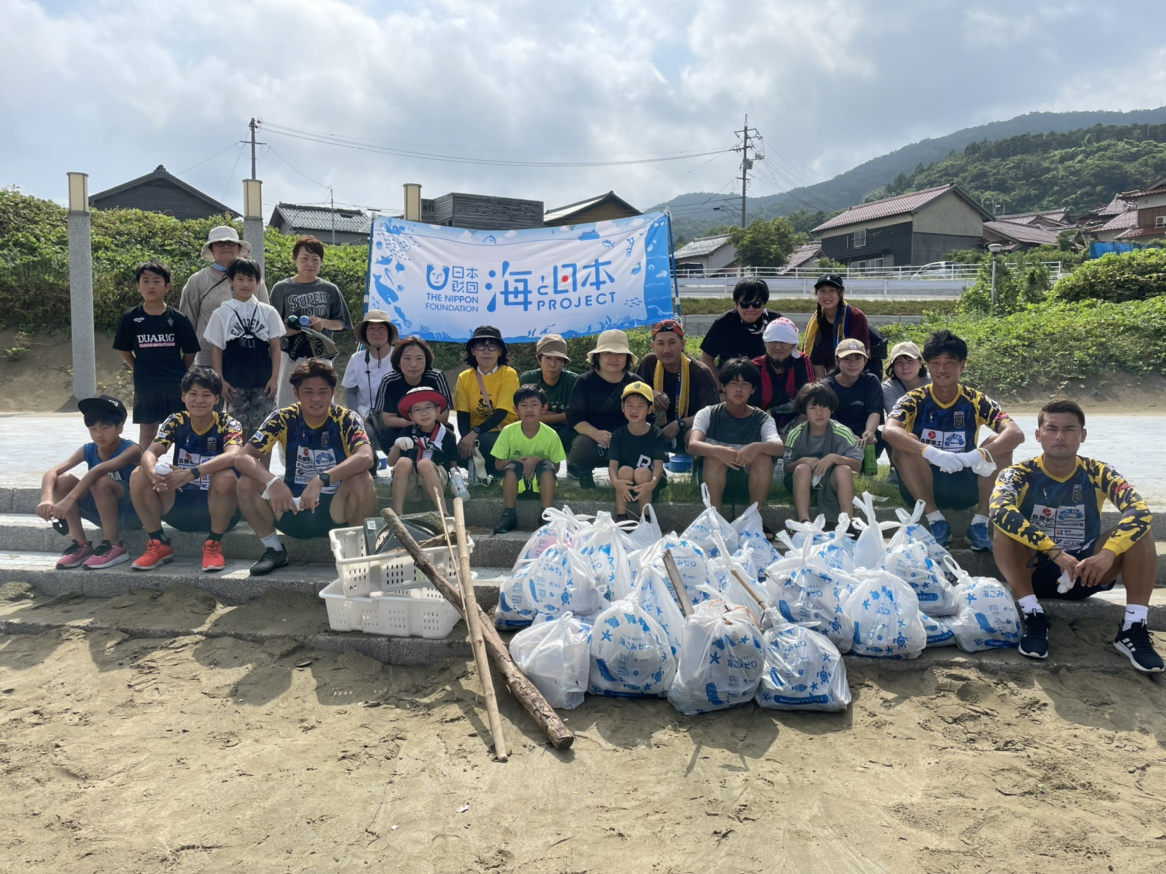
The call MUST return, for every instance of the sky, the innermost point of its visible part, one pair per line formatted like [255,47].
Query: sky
[357,97]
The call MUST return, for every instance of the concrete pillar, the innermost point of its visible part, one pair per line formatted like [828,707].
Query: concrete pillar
[253,230]
[412,202]
[81,288]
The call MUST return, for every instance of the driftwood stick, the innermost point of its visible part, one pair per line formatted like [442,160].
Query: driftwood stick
[520,687]
[677,583]
[473,620]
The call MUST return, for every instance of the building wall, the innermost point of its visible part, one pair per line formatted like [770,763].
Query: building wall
[926,248]
[890,242]
[951,215]
[601,212]
[158,196]
[1147,217]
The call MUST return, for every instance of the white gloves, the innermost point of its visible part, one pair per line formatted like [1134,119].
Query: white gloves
[948,462]
[404,443]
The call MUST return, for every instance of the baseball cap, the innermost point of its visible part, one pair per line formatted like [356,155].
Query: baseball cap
[829,279]
[906,348]
[103,404]
[668,326]
[639,388]
[850,346]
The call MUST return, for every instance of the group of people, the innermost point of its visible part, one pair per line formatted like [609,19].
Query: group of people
[761,398]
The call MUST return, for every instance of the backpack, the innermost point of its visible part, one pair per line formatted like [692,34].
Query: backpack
[878,352]
[247,358]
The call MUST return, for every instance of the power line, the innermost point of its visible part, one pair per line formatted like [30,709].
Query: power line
[227,187]
[271,149]
[204,160]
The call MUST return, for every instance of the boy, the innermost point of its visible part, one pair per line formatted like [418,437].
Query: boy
[198,494]
[158,344]
[820,451]
[422,457]
[637,452]
[556,382]
[528,449]
[244,336]
[736,443]
[102,495]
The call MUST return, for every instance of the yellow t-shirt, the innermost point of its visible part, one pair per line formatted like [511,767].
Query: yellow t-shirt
[500,386]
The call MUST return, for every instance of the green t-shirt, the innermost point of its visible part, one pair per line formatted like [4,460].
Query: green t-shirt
[557,394]
[513,444]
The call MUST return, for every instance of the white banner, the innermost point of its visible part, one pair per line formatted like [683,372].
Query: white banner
[440,283]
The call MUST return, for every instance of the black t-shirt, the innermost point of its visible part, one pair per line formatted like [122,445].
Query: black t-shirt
[729,337]
[394,387]
[158,344]
[596,401]
[443,454]
[628,450]
[858,401]
[701,393]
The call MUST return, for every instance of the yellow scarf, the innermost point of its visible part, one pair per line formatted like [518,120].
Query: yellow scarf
[685,377]
[841,323]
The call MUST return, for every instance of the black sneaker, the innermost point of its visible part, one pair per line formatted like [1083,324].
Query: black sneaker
[269,561]
[1137,644]
[1035,643]
[508,521]
[587,480]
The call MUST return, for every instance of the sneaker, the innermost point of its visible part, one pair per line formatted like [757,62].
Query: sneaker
[212,556]
[1137,644]
[74,555]
[587,480]
[508,521]
[106,555]
[979,537]
[1035,643]
[941,531]
[269,561]
[157,553]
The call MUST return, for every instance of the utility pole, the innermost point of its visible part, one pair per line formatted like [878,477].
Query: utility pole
[748,136]
[254,126]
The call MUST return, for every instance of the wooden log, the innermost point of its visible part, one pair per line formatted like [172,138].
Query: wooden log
[520,687]
[673,572]
[473,620]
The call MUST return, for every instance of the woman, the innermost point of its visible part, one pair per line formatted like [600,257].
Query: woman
[739,331]
[594,409]
[484,395]
[368,367]
[412,363]
[905,373]
[784,370]
[834,320]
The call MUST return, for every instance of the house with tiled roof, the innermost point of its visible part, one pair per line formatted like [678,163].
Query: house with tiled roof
[1150,204]
[602,207]
[804,257]
[162,192]
[1014,236]
[704,256]
[915,228]
[329,224]
[1048,219]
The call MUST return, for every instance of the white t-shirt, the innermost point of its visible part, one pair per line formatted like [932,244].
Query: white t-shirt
[363,379]
[228,322]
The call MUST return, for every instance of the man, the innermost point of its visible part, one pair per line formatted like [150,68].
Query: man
[556,382]
[932,433]
[739,332]
[208,289]
[1047,517]
[327,484]
[682,387]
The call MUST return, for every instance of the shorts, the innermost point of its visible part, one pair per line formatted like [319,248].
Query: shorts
[1046,573]
[251,406]
[544,466]
[152,408]
[826,496]
[417,488]
[127,516]
[736,482]
[953,491]
[304,525]
[192,513]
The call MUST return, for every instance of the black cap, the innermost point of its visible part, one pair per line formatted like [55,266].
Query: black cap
[830,279]
[103,404]
[486,332]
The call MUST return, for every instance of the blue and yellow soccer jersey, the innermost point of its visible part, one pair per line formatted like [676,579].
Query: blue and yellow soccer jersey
[1037,509]
[192,448]
[953,427]
[310,451]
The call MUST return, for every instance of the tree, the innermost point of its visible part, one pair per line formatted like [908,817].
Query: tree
[764,243]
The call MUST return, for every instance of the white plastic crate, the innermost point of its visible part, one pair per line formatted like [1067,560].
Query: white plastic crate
[361,573]
[419,612]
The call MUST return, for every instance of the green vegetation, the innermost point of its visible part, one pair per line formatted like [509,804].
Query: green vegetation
[765,243]
[1138,275]
[692,306]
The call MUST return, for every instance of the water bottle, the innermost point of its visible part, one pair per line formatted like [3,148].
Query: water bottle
[870,465]
[305,322]
[162,469]
[459,484]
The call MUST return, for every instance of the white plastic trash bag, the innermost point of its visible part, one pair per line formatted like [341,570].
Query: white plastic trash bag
[720,660]
[870,548]
[886,617]
[751,532]
[654,594]
[516,608]
[647,531]
[630,654]
[709,523]
[815,530]
[912,530]
[691,561]
[803,669]
[606,553]
[562,580]
[938,630]
[555,655]
[909,561]
[988,618]
[561,526]
[804,589]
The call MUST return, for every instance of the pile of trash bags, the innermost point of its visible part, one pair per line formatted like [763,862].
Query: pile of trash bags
[716,616]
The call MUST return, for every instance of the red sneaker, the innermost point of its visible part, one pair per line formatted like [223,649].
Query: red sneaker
[157,553]
[106,555]
[212,557]
[74,555]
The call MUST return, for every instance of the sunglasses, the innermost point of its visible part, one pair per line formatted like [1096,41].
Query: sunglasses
[751,304]
[487,345]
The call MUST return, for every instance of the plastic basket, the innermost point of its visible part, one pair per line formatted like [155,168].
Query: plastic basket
[361,573]
[419,612]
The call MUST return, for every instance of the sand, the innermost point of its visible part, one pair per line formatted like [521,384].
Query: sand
[210,754]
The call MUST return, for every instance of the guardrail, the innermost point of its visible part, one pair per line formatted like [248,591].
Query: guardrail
[950,272]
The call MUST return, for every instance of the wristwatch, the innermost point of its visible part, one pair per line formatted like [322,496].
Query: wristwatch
[324,478]
[196,473]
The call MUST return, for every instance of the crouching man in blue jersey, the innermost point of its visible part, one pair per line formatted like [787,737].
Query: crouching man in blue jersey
[1048,538]
[328,482]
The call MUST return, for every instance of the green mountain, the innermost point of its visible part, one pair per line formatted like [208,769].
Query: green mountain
[694,214]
